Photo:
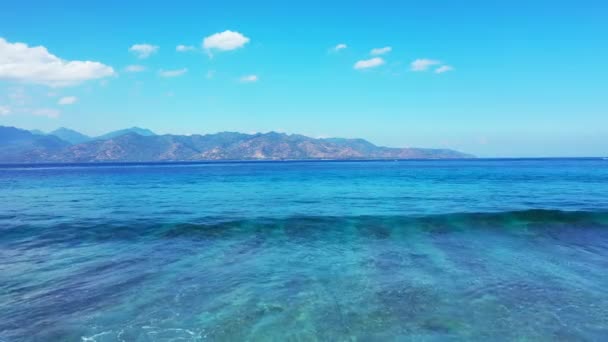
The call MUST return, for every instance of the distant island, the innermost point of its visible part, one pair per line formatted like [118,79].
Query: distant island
[142,145]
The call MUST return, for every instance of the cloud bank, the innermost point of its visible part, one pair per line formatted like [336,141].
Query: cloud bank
[369,63]
[443,68]
[184,48]
[225,41]
[423,64]
[22,63]
[339,47]
[381,51]
[4,110]
[143,51]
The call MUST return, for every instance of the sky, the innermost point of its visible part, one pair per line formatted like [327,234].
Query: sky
[491,78]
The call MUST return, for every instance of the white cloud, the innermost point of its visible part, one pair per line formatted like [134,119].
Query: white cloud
[369,63]
[135,68]
[143,50]
[423,64]
[4,110]
[21,63]
[381,51]
[68,100]
[249,78]
[443,68]
[340,47]
[184,48]
[225,41]
[172,73]
[51,113]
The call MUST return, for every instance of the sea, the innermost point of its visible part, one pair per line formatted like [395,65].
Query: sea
[416,250]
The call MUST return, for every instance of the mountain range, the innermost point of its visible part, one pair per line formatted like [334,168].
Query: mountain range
[141,145]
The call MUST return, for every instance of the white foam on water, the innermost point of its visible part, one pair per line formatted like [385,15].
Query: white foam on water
[93,338]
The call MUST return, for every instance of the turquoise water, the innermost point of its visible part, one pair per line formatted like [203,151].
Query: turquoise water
[330,251]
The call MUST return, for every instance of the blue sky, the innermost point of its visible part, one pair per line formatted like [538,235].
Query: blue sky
[522,78]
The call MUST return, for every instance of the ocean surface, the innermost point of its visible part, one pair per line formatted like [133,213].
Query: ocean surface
[487,250]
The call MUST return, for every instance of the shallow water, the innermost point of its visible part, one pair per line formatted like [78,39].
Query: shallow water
[417,250]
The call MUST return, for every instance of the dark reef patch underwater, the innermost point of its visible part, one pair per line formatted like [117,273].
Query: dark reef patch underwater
[468,250]
[532,274]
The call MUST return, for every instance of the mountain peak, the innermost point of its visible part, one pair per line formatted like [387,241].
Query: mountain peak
[274,134]
[70,135]
[22,146]
[137,130]
[64,130]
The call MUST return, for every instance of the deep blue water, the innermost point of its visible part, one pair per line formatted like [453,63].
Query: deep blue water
[332,251]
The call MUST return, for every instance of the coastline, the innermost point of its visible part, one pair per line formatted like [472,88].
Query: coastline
[274,161]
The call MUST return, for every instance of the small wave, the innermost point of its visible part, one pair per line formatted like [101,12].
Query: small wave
[302,226]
